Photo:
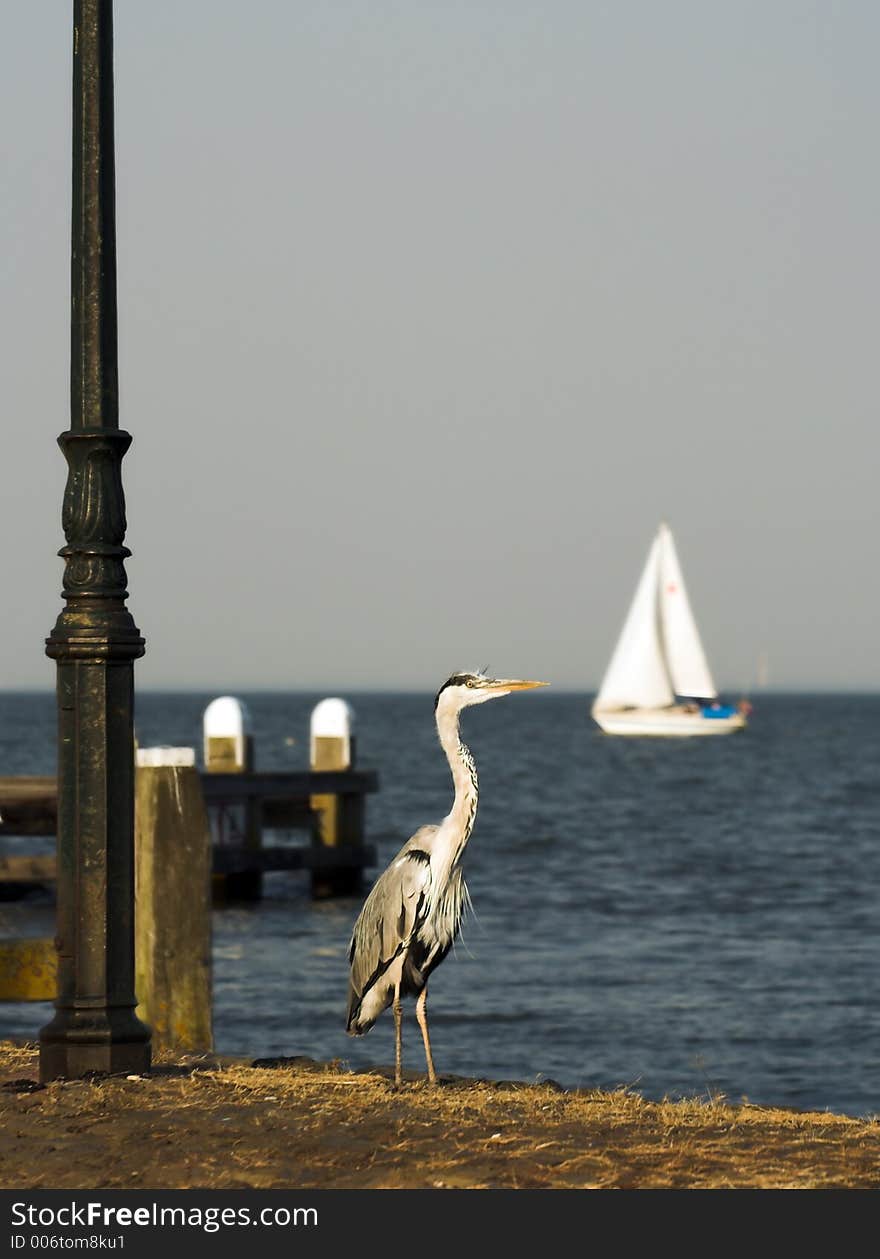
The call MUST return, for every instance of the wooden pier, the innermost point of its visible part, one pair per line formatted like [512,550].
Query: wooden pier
[198,839]
[279,800]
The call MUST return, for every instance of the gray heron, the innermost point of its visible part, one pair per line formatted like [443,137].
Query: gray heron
[411,917]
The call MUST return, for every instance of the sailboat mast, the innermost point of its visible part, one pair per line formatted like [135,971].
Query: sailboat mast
[662,532]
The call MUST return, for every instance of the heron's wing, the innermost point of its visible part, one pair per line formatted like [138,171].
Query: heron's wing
[391,913]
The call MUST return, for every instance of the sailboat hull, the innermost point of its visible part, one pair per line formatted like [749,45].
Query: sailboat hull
[666,723]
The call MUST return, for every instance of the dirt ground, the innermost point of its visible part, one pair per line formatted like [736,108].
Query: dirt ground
[218,1124]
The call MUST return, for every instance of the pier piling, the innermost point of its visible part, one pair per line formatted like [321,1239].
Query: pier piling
[173,902]
[228,748]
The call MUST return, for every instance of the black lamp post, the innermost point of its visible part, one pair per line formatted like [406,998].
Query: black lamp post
[95,640]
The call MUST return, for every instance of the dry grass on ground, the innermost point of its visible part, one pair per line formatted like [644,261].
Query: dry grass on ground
[310,1125]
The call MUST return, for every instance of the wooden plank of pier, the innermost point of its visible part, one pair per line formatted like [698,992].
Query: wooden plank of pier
[30,801]
[28,805]
[28,789]
[285,785]
[25,869]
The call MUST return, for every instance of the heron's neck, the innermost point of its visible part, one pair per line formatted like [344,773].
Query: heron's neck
[459,822]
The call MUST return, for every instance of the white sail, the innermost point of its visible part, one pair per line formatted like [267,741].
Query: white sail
[637,676]
[685,657]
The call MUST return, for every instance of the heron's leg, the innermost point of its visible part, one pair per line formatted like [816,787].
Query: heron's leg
[422,1016]
[398,1038]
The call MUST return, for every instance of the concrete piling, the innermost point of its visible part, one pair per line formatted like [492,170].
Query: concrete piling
[339,818]
[228,735]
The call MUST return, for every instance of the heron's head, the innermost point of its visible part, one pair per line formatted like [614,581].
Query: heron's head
[463,689]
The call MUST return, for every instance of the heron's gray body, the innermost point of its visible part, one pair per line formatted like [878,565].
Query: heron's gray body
[407,926]
[412,916]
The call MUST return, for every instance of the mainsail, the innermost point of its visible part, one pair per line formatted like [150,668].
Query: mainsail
[637,676]
[659,653]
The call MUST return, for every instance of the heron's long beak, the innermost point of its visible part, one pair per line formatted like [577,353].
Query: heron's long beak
[513,684]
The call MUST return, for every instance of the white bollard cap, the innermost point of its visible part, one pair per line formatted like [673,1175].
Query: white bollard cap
[332,719]
[166,756]
[227,718]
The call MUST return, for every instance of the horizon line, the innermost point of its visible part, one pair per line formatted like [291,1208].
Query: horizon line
[378,689]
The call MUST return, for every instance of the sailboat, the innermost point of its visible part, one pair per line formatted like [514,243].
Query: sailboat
[658,681]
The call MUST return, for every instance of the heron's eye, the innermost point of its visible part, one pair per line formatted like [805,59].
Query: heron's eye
[470,682]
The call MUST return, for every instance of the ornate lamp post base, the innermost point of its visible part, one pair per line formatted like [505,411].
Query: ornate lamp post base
[94,1028]
[73,1055]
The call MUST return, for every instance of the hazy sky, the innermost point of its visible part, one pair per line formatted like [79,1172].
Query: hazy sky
[429,312]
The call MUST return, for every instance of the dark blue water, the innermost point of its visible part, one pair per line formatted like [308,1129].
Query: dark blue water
[684,917]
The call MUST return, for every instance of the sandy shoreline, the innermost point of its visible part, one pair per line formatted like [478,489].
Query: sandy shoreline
[222,1124]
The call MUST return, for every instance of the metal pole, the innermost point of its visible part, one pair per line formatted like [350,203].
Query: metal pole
[95,640]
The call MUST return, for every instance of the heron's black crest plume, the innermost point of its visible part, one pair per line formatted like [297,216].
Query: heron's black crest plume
[459,679]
